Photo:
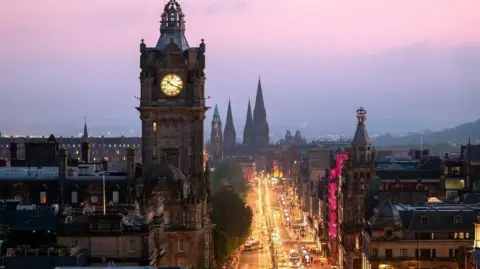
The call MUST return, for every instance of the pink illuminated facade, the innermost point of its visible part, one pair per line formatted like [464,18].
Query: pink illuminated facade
[332,194]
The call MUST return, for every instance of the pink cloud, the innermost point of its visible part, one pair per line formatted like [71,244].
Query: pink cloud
[92,26]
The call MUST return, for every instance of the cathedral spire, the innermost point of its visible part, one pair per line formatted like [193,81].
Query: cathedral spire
[259,104]
[260,130]
[361,137]
[229,134]
[248,126]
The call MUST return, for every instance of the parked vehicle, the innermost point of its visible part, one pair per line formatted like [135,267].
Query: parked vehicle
[252,245]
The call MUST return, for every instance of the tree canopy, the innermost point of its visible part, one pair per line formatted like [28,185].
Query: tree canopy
[233,220]
[229,172]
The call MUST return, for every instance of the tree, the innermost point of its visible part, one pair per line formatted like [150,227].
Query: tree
[233,220]
[229,172]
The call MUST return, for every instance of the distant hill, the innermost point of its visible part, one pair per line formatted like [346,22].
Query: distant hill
[457,134]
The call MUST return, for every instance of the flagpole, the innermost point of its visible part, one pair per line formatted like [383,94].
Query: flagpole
[104,202]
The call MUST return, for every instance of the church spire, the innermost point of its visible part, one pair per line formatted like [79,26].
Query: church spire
[216,113]
[85,131]
[248,126]
[260,131]
[229,134]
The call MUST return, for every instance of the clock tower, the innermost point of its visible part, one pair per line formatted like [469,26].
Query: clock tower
[172,112]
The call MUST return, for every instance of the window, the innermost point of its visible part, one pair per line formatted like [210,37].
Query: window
[432,236]
[403,252]
[132,246]
[355,175]
[104,226]
[434,253]
[43,197]
[467,235]
[74,197]
[425,253]
[180,245]
[115,197]
[154,126]
[181,262]
[388,253]
[166,218]
[207,262]
[73,243]
[184,219]
[451,253]
[424,220]
[375,252]
[457,220]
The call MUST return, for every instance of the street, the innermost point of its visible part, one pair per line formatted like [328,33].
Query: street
[271,229]
[257,258]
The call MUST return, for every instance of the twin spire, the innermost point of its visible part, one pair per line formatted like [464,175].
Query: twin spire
[256,132]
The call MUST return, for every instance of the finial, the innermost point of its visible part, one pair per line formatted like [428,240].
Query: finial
[203,40]
[85,117]
[142,41]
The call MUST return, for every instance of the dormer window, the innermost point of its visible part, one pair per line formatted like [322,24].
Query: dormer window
[457,220]
[424,220]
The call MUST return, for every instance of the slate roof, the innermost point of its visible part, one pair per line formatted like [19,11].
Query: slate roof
[431,218]
[28,220]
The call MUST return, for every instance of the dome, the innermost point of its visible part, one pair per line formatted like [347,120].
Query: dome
[164,174]
[388,213]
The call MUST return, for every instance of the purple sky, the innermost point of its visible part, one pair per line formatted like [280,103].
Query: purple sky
[416,62]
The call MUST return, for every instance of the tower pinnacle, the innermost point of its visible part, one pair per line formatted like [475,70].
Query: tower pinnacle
[85,130]
[260,130]
[361,137]
[229,134]
[172,27]
[247,131]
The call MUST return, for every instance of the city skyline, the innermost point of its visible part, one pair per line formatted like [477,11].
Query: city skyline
[418,54]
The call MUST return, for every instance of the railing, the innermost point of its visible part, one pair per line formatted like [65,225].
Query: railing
[39,252]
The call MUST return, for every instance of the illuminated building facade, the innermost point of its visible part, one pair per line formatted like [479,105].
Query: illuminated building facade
[436,235]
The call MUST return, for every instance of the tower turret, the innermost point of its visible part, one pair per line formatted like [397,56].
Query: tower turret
[216,136]
[247,131]
[260,131]
[172,27]
[229,134]
[361,143]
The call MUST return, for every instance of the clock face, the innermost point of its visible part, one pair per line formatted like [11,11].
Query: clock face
[171,85]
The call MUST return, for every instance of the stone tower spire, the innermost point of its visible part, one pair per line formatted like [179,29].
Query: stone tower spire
[229,134]
[85,146]
[361,143]
[247,131]
[85,131]
[216,136]
[260,130]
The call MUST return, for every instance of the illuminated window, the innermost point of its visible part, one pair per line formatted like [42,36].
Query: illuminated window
[106,158]
[154,126]
[43,197]
[457,220]
[76,152]
[124,158]
[118,151]
[94,159]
